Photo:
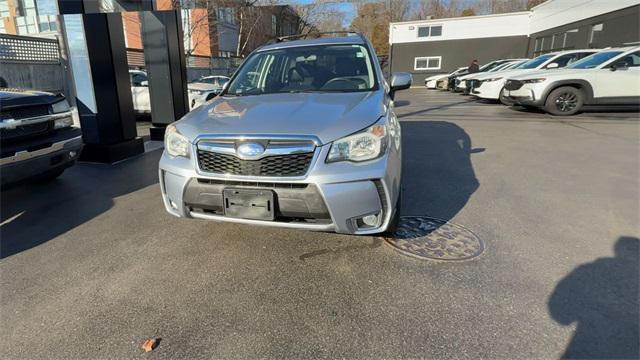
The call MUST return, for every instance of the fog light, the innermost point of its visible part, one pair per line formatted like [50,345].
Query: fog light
[370,220]
[72,154]
[173,205]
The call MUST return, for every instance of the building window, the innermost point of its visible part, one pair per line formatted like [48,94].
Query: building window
[274,25]
[570,39]
[596,30]
[429,31]
[227,15]
[427,63]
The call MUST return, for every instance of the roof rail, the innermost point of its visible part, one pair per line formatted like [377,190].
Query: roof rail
[317,34]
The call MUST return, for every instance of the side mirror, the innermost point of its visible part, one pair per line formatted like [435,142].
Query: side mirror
[620,65]
[144,83]
[399,81]
[552,66]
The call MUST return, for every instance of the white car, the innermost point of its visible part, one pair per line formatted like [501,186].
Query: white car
[198,92]
[205,88]
[490,85]
[463,81]
[431,81]
[610,77]
[442,83]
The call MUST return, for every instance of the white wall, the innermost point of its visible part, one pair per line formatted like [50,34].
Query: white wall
[514,24]
[555,13]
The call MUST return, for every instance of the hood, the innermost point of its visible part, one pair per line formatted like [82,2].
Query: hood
[10,98]
[202,86]
[327,116]
[435,77]
[505,74]
[549,73]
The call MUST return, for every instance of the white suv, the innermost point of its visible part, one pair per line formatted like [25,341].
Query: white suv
[610,77]
[490,86]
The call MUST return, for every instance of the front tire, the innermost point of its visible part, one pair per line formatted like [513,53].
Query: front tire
[564,101]
[504,100]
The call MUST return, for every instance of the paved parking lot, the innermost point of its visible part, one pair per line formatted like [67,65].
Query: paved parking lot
[92,265]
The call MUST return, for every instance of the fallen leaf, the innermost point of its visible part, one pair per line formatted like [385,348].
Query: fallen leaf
[149,345]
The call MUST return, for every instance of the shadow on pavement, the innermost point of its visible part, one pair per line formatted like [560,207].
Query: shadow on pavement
[601,298]
[36,213]
[438,177]
[434,108]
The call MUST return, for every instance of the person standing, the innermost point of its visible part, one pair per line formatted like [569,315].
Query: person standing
[474,67]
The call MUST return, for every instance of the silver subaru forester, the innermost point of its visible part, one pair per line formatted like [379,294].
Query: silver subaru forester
[303,136]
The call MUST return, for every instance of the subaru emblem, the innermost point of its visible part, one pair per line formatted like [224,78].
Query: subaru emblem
[249,151]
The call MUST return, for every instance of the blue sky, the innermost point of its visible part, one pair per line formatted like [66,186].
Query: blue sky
[347,8]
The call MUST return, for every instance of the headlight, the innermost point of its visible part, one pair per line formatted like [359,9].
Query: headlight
[175,143]
[533,81]
[493,79]
[63,123]
[60,106]
[196,92]
[366,145]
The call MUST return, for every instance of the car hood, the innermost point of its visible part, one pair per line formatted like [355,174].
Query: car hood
[505,73]
[327,116]
[558,73]
[202,86]
[12,98]
[435,77]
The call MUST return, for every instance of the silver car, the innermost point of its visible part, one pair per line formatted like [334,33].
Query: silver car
[303,136]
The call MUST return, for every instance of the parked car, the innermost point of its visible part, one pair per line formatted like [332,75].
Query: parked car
[432,81]
[610,77]
[443,82]
[467,82]
[205,89]
[198,92]
[38,136]
[304,137]
[453,79]
[490,86]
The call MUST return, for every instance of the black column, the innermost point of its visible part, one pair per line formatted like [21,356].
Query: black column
[166,68]
[109,133]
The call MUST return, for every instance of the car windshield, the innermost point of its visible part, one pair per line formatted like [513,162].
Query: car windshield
[501,67]
[518,65]
[535,62]
[594,60]
[324,68]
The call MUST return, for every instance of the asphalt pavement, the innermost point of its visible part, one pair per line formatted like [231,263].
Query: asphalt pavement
[92,265]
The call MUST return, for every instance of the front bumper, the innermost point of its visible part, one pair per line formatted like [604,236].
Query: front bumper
[489,90]
[40,156]
[329,198]
[528,95]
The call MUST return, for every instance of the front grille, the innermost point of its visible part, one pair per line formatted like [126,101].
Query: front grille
[513,84]
[26,131]
[277,165]
[25,112]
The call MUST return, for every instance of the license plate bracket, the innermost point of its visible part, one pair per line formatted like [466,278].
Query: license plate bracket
[249,204]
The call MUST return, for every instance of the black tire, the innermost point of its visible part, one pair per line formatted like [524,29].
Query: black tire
[504,100]
[564,101]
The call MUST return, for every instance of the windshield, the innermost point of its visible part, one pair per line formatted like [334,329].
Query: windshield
[594,60]
[518,65]
[534,63]
[325,68]
[501,67]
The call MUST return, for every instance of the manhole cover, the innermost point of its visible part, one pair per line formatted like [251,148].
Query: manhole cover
[430,238]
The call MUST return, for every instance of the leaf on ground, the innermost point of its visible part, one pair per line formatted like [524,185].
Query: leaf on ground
[149,345]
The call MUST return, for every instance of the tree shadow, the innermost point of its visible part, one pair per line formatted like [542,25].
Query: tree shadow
[33,214]
[601,298]
[438,178]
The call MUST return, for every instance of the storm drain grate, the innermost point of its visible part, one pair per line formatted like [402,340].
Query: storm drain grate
[430,238]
